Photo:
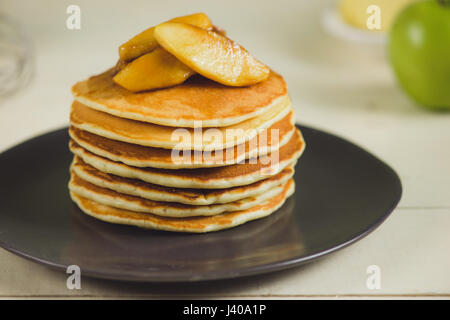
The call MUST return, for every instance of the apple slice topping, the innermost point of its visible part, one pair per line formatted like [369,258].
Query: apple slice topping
[168,54]
[154,70]
[210,54]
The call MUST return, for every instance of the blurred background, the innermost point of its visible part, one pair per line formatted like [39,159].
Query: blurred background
[339,75]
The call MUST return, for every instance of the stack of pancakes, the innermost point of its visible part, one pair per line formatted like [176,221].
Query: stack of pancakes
[196,157]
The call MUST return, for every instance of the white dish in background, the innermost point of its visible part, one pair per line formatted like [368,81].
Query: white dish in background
[333,24]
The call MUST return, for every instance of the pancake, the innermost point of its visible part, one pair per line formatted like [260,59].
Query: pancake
[152,135]
[140,156]
[197,99]
[193,224]
[166,209]
[251,171]
[155,192]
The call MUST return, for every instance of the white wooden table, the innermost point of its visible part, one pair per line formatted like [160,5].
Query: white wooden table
[341,87]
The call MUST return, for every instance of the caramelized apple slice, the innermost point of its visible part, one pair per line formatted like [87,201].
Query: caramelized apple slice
[211,54]
[157,69]
[145,42]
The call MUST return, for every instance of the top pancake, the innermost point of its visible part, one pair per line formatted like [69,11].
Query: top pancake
[197,99]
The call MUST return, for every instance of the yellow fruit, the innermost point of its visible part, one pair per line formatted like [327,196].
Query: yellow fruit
[157,69]
[145,42]
[211,54]
[354,12]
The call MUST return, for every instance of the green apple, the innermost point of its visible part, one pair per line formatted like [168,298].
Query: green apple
[419,50]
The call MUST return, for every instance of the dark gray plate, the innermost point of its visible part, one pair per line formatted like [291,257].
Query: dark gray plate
[342,194]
